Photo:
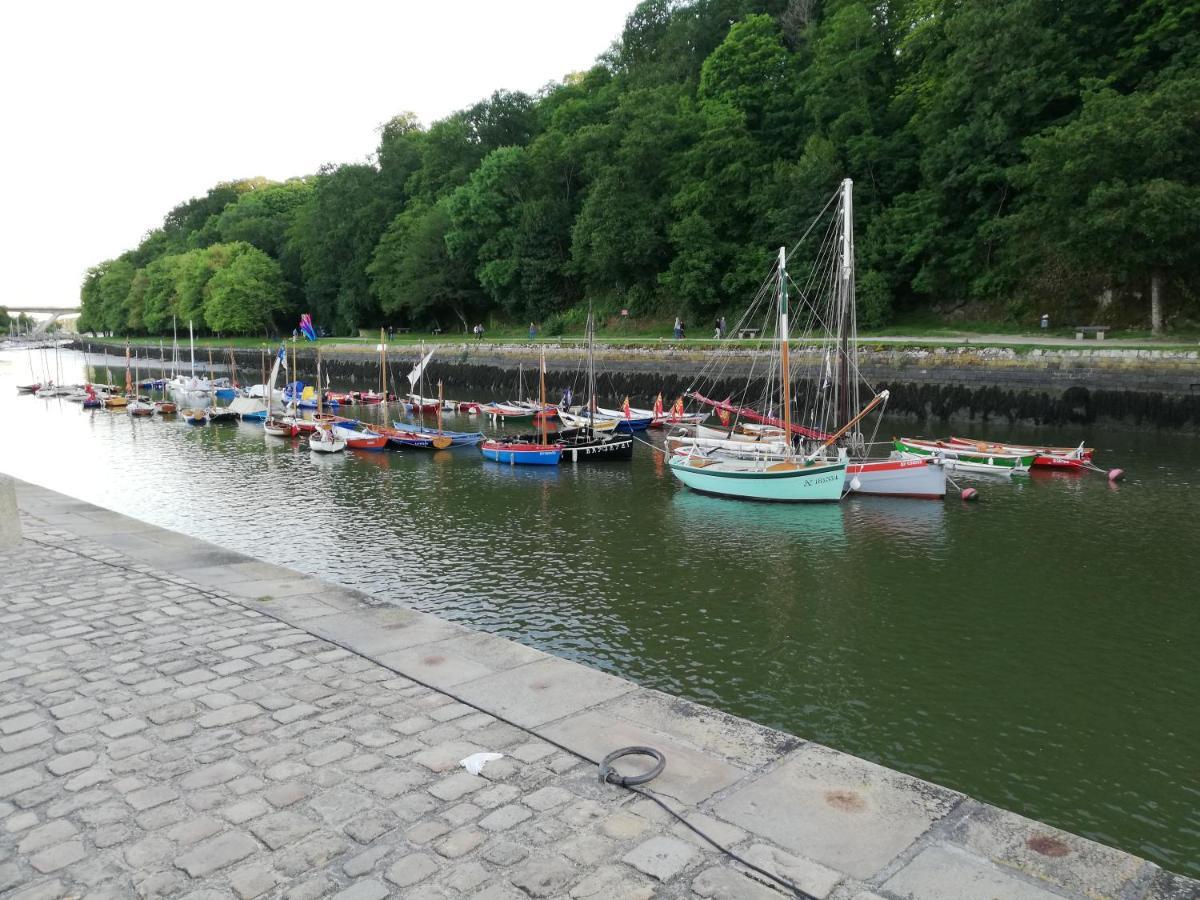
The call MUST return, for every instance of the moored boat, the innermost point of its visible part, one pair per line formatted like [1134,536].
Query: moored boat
[966,458]
[280,426]
[360,437]
[322,440]
[195,416]
[518,452]
[1047,457]
[923,478]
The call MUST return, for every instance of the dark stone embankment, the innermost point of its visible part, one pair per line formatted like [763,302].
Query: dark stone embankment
[1052,386]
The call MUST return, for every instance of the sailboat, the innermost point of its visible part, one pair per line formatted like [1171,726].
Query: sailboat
[790,477]
[420,435]
[322,439]
[521,449]
[273,425]
[585,442]
[137,406]
[764,436]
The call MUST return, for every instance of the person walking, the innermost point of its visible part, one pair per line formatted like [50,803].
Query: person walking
[532,331]
[678,328]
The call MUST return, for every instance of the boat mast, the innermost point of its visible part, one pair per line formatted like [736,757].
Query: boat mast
[128,383]
[785,378]
[591,382]
[192,346]
[542,400]
[846,296]
[320,395]
[174,349]
[440,402]
[383,370]
[266,390]
[232,369]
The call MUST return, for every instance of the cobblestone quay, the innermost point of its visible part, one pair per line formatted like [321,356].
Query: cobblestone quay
[177,720]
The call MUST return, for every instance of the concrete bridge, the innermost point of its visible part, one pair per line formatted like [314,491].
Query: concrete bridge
[54,312]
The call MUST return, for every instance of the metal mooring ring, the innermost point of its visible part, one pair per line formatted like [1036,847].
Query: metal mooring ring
[610,776]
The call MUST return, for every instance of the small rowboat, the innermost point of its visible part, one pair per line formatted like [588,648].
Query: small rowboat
[322,440]
[116,402]
[967,459]
[1047,457]
[359,438]
[195,416]
[456,438]
[582,420]
[668,419]
[28,388]
[627,423]
[140,408]
[506,411]
[470,407]
[280,426]
[518,452]
[221,414]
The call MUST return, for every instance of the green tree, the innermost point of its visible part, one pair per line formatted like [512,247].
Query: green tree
[413,275]
[112,290]
[245,293]
[1117,190]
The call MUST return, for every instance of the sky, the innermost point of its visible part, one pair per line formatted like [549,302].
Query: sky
[113,112]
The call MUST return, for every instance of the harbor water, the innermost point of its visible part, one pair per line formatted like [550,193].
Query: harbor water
[1036,650]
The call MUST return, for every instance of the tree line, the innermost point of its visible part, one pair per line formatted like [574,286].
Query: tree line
[1009,158]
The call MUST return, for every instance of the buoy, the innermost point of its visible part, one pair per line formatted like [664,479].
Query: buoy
[969,494]
[1116,474]
[855,484]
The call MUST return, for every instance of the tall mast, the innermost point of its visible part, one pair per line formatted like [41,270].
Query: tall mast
[542,400]
[383,368]
[232,369]
[785,377]
[266,390]
[192,347]
[846,296]
[320,393]
[591,380]
[128,383]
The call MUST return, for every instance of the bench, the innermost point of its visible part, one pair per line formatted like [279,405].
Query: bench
[750,333]
[1083,330]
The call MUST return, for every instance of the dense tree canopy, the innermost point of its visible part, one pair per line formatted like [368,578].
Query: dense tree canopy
[1009,159]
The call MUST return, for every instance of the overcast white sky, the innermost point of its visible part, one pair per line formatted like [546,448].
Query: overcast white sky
[112,112]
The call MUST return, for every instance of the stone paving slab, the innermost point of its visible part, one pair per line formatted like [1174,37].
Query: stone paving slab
[164,732]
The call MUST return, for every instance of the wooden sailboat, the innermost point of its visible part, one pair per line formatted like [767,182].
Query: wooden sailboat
[282,426]
[585,442]
[137,406]
[520,449]
[792,478]
[322,439]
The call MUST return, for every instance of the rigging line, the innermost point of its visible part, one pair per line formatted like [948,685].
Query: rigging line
[795,889]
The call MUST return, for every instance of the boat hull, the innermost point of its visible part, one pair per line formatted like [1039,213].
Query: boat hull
[1047,457]
[918,478]
[802,484]
[522,454]
[967,455]
[599,448]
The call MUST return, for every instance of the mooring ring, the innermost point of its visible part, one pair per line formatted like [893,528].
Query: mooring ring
[610,776]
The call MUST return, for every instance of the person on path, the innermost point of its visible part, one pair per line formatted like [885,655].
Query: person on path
[721,327]
[678,328]
[532,331]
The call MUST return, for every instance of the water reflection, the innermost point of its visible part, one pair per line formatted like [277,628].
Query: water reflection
[753,522]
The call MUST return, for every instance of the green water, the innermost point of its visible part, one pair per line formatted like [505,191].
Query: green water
[1036,650]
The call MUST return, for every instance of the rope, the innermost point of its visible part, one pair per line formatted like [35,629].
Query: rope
[629,783]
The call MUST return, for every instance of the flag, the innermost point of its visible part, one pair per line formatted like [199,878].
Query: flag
[281,356]
[678,410]
[658,407]
[625,409]
[306,327]
[723,415]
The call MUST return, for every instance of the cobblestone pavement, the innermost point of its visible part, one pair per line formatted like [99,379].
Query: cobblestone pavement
[157,739]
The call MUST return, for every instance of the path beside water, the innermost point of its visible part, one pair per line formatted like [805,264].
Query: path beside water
[181,720]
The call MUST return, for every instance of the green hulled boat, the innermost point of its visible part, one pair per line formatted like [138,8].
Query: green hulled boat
[967,458]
